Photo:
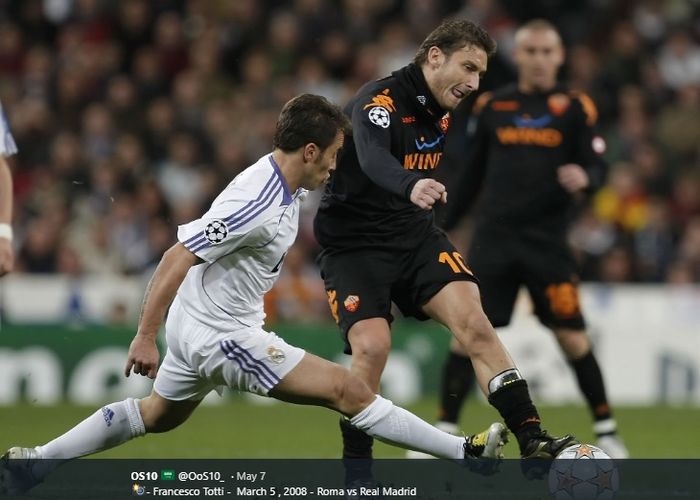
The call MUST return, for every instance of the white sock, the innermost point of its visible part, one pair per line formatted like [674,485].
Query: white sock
[108,427]
[605,427]
[394,425]
[448,427]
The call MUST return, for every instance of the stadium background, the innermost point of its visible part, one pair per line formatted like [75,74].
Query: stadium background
[130,116]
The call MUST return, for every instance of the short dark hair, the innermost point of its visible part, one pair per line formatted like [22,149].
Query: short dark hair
[309,118]
[453,35]
[536,25]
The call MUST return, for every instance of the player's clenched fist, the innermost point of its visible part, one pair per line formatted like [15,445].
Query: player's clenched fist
[572,177]
[426,192]
[143,357]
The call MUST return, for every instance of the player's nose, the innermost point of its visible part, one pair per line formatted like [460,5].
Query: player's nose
[472,83]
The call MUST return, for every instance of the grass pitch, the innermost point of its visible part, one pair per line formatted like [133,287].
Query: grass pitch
[241,429]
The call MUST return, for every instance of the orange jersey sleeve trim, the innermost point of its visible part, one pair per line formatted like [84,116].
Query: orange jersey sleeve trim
[589,107]
[481,102]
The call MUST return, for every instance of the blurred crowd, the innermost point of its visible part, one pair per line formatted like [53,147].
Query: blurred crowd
[131,116]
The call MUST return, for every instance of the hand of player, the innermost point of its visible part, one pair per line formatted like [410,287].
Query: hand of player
[143,357]
[426,192]
[7,256]
[572,177]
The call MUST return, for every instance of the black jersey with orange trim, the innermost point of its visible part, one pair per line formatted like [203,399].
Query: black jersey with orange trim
[397,139]
[516,143]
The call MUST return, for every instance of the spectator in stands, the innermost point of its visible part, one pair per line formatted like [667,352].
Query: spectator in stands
[124,78]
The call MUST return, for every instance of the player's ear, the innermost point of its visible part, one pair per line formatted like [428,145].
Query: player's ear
[311,151]
[435,57]
[561,55]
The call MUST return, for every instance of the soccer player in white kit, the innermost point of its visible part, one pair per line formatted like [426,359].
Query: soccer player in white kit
[214,280]
[7,148]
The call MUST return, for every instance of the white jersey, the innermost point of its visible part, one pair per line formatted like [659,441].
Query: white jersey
[7,142]
[243,239]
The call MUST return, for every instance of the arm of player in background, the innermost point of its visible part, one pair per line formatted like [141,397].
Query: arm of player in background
[589,146]
[473,170]
[171,271]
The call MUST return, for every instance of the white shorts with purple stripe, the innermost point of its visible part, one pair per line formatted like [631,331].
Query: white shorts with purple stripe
[201,359]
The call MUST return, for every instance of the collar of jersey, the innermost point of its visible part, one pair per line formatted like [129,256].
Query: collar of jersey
[286,194]
[412,79]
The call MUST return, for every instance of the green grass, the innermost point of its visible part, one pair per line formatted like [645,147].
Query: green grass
[239,429]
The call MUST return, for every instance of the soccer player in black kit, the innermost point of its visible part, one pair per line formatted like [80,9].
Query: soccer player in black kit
[379,241]
[532,152]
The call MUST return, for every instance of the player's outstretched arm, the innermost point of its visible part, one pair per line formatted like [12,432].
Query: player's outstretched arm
[171,271]
[6,252]
[7,256]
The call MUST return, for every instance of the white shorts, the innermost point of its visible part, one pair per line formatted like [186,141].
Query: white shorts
[200,359]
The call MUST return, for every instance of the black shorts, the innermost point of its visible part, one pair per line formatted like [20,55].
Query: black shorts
[545,265]
[362,284]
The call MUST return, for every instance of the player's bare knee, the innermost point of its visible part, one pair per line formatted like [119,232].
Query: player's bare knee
[375,349]
[574,343]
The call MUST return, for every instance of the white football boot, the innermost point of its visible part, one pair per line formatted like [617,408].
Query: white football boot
[18,472]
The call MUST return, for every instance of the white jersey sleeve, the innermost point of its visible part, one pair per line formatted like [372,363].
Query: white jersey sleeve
[237,218]
[7,142]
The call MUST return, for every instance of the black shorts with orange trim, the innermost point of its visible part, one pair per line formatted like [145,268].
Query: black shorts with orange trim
[506,260]
[363,283]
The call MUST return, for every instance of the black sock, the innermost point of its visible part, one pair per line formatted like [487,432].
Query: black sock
[356,444]
[457,381]
[517,409]
[590,381]
[357,452]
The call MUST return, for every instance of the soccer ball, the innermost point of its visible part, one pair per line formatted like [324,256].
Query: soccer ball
[583,472]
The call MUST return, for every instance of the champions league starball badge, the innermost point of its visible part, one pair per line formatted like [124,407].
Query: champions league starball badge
[216,232]
[379,116]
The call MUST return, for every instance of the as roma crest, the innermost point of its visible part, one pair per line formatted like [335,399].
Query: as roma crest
[445,123]
[351,303]
[558,104]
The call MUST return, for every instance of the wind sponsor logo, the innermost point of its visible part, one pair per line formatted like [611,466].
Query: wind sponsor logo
[421,161]
[546,137]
